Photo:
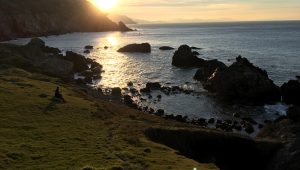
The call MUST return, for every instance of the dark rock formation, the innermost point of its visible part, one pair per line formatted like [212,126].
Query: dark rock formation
[166,48]
[243,82]
[128,101]
[196,53]
[36,42]
[116,91]
[130,84]
[36,57]
[249,128]
[184,57]
[140,48]
[211,120]
[51,50]
[290,92]
[159,112]
[123,27]
[30,18]
[153,85]
[207,68]
[293,113]
[88,47]
[286,131]
[226,150]
[92,73]
[79,61]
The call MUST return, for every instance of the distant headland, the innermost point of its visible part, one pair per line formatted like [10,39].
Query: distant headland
[31,18]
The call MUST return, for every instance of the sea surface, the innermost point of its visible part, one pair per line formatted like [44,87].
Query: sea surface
[273,46]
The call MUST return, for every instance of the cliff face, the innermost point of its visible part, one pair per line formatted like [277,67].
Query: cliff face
[27,18]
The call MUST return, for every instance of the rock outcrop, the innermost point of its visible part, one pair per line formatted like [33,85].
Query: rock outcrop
[37,57]
[123,27]
[207,68]
[242,82]
[79,61]
[139,48]
[293,113]
[33,57]
[226,150]
[33,18]
[164,48]
[184,57]
[288,157]
[290,92]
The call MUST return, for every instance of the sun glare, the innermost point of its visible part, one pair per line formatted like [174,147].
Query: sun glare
[112,40]
[105,5]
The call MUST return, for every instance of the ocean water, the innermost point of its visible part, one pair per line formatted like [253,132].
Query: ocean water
[273,46]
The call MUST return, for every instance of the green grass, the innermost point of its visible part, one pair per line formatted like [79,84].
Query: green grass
[37,132]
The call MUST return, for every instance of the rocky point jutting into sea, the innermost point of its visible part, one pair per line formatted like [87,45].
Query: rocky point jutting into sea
[30,18]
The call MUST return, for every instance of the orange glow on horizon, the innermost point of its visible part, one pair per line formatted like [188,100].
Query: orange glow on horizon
[105,5]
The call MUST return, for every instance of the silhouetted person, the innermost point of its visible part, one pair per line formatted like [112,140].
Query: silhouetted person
[58,95]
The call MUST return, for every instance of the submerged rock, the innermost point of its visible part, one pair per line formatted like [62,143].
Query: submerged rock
[153,85]
[243,82]
[141,48]
[291,92]
[89,47]
[196,48]
[166,48]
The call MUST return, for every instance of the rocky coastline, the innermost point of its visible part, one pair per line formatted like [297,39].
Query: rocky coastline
[37,57]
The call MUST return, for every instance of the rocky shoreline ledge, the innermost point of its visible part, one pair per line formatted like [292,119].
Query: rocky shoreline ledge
[37,57]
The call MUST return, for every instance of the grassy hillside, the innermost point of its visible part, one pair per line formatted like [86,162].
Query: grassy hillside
[37,132]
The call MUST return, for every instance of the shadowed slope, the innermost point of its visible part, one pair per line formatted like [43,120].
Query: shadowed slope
[27,18]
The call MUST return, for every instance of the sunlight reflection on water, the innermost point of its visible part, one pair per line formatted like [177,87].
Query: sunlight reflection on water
[270,47]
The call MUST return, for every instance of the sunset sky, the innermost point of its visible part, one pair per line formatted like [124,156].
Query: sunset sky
[209,10]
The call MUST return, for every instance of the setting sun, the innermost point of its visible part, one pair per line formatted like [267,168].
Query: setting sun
[104,4]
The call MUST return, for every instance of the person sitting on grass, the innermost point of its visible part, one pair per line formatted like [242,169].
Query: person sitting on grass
[58,95]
